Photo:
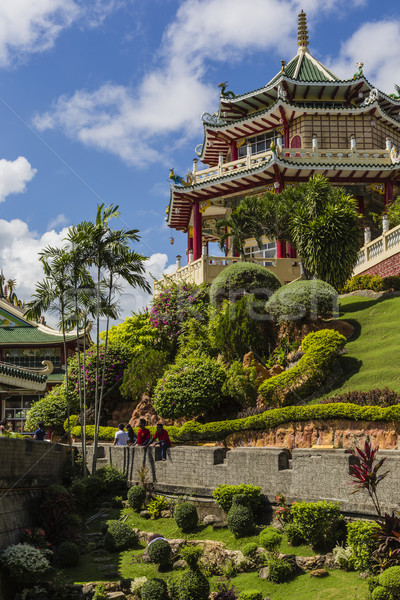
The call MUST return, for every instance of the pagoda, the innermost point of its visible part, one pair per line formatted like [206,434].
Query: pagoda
[305,121]
[32,358]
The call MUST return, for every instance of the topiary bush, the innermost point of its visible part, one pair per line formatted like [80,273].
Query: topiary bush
[160,552]
[136,497]
[390,580]
[68,554]
[189,387]
[279,570]
[270,539]
[243,278]
[154,589]
[304,299]
[119,536]
[24,562]
[223,495]
[250,550]
[294,535]
[193,585]
[381,593]
[50,410]
[320,523]
[240,517]
[192,555]
[186,516]
[361,540]
[250,595]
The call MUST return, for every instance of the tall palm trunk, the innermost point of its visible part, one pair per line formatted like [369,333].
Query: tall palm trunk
[106,342]
[80,382]
[96,394]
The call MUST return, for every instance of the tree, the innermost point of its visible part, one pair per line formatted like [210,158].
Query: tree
[325,229]
[242,224]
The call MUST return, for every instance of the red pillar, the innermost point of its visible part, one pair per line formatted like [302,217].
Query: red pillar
[388,193]
[290,250]
[189,245]
[196,232]
[280,249]
[286,134]
[234,151]
[360,205]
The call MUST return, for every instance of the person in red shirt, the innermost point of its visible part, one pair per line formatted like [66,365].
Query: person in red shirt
[143,436]
[163,440]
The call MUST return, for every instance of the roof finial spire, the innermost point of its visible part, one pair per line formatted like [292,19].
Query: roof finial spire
[302,32]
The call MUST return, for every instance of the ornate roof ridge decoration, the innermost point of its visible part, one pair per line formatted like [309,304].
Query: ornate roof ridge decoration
[37,376]
[302,32]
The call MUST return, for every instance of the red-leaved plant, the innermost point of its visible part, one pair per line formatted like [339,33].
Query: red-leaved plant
[365,474]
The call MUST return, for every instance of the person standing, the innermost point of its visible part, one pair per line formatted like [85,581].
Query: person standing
[39,433]
[143,436]
[121,437]
[163,440]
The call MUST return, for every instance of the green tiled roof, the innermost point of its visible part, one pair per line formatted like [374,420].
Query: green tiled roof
[21,374]
[29,335]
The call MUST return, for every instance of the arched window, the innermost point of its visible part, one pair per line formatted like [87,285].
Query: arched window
[296,142]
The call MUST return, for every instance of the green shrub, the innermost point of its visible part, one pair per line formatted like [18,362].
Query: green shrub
[192,555]
[112,478]
[159,552]
[106,434]
[303,299]
[136,497]
[193,585]
[73,422]
[391,283]
[68,554]
[190,387]
[100,592]
[390,579]
[319,523]
[236,328]
[147,365]
[50,410]
[117,502]
[241,384]
[381,593]
[279,570]
[372,582]
[119,536]
[363,282]
[24,563]
[186,516]
[154,589]
[157,505]
[270,539]
[223,495]
[343,557]
[361,540]
[250,595]
[240,517]
[320,351]
[250,550]
[243,278]
[293,534]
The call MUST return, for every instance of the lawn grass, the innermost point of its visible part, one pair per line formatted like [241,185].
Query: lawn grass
[374,350]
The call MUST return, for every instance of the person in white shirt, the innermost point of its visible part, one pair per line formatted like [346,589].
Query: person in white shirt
[121,437]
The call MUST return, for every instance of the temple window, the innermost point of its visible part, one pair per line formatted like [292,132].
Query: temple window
[259,143]
[16,408]
[31,357]
[268,250]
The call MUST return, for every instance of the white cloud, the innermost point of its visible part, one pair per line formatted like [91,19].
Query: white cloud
[132,122]
[376,45]
[58,221]
[29,26]
[14,175]
[19,249]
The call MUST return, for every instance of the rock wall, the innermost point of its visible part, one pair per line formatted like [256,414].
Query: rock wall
[335,433]
[26,468]
[304,474]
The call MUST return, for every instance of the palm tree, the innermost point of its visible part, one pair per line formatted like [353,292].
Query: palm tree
[242,224]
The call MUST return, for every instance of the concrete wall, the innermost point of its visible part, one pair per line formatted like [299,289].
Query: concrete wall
[309,474]
[26,467]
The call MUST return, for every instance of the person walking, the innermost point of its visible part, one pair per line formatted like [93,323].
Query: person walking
[132,435]
[144,435]
[162,437]
[39,433]
[121,437]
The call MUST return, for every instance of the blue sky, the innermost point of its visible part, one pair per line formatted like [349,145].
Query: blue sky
[98,99]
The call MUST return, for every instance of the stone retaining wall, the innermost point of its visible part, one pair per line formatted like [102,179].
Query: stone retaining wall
[304,474]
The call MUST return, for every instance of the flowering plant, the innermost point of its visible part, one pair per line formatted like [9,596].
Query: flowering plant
[283,511]
[35,537]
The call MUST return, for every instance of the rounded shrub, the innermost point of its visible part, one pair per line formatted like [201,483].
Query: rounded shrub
[160,552]
[294,534]
[136,497]
[24,562]
[279,571]
[270,539]
[303,299]
[186,516]
[240,519]
[390,579]
[193,585]
[154,589]
[250,550]
[250,595]
[189,387]
[119,536]
[243,278]
[381,593]
[68,554]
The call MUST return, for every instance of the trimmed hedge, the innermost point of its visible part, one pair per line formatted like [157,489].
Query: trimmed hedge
[243,278]
[270,539]
[303,299]
[154,589]
[320,350]
[136,497]
[224,493]
[186,516]
[371,282]
[119,536]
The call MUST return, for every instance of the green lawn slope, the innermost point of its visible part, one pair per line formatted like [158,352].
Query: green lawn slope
[373,360]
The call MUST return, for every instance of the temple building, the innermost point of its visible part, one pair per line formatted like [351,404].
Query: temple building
[32,358]
[305,121]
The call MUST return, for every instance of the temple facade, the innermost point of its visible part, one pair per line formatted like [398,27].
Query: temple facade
[305,121]
[32,358]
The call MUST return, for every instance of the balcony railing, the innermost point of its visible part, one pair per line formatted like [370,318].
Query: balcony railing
[380,249]
[207,268]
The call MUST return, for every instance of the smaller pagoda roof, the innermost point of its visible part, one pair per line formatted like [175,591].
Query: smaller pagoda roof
[28,335]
